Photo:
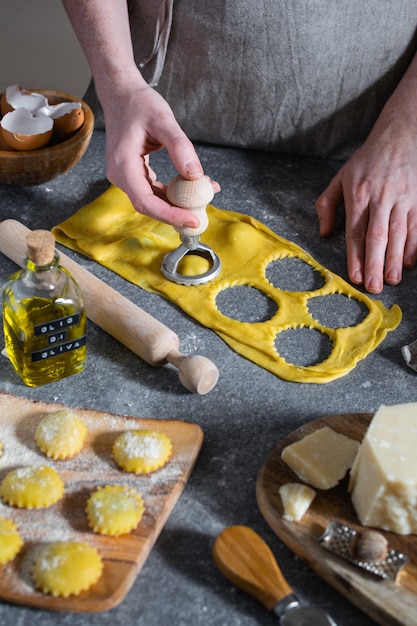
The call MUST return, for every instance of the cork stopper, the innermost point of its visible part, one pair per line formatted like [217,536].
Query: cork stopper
[40,247]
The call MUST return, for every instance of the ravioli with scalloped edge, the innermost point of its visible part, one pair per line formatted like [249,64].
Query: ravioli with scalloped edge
[10,540]
[141,451]
[61,434]
[114,510]
[32,487]
[66,568]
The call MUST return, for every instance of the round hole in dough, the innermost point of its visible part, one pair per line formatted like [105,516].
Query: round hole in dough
[303,346]
[246,304]
[337,310]
[293,274]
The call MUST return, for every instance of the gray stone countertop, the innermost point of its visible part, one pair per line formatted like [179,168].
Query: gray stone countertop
[243,418]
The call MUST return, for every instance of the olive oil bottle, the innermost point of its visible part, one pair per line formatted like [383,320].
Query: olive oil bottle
[44,317]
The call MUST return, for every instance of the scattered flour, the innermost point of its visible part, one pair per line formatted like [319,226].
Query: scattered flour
[93,467]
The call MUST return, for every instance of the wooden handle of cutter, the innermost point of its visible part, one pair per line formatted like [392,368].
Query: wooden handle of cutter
[245,559]
[193,195]
[154,342]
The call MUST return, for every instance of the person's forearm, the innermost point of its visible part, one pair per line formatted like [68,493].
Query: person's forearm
[402,104]
[102,27]
[378,186]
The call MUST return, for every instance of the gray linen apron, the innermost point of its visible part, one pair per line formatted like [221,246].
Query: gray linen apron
[295,76]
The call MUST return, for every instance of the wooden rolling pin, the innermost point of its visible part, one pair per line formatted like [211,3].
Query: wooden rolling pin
[134,328]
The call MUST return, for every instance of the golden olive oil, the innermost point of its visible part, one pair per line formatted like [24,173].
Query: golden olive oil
[44,320]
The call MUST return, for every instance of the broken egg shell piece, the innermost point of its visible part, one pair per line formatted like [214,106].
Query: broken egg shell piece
[23,130]
[68,117]
[14,97]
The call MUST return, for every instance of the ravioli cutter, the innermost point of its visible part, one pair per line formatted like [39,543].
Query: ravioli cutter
[193,195]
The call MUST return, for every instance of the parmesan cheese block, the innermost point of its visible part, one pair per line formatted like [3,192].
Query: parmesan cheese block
[383,481]
[296,499]
[322,458]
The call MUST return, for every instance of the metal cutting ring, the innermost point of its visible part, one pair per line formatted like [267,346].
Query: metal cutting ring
[171,261]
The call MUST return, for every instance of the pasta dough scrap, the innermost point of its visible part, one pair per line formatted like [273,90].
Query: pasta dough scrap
[141,451]
[114,510]
[10,540]
[61,434]
[66,568]
[32,487]
[110,231]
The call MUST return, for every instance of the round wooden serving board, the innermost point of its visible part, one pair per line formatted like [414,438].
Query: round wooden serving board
[124,555]
[388,602]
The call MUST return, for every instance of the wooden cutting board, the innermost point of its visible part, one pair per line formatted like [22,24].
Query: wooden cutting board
[94,466]
[389,603]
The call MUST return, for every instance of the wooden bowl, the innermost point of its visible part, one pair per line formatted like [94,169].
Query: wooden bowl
[34,167]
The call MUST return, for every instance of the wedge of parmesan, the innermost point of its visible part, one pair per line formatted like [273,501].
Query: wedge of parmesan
[296,499]
[321,459]
[383,480]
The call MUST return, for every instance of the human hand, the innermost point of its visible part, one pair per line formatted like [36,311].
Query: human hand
[379,187]
[139,122]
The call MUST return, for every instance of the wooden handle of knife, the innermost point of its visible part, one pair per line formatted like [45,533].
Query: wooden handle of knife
[154,342]
[246,560]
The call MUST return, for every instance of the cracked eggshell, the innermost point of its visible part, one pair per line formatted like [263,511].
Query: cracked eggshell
[14,97]
[35,167]
[67,117]
[23,130]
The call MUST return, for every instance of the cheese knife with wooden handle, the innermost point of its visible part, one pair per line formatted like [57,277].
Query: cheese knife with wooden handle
[246,560]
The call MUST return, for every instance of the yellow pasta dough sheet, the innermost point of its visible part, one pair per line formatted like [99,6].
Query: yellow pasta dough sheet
[111,232]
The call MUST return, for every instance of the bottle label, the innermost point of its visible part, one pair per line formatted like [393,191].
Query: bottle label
[56,333]
[56,325]
[58,337]
[59,349]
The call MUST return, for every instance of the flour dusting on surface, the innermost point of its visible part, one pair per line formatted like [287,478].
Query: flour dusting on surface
[93,467]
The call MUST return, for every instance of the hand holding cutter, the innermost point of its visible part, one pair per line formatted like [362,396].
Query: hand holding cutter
[193,195]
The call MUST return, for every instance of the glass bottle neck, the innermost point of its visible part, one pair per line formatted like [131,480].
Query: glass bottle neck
[32,267]
[46,279]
